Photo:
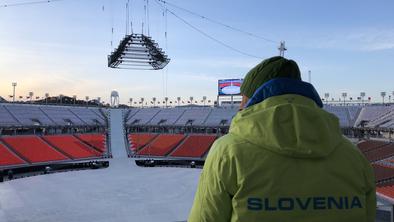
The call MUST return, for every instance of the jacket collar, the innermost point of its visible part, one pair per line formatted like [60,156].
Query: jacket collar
[281,86]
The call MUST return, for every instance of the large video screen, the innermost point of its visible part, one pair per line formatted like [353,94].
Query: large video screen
[229,87]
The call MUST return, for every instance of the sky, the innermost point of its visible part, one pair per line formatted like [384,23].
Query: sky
[62,47]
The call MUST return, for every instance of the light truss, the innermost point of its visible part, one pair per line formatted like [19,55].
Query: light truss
[138,51]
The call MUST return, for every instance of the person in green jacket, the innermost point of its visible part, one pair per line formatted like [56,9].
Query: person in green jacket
[284,158]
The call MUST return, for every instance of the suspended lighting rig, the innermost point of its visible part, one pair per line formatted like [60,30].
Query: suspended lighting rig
[138,51]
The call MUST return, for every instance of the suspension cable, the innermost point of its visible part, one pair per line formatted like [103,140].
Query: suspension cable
[209,36]
[218,22]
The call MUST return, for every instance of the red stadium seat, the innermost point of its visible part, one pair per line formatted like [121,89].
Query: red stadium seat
[34,149]
[72,146]
[137,141]
[96,140]
[8,158]
[162,145]
[194,146]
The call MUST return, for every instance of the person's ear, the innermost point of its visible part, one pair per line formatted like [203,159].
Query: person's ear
[244,101]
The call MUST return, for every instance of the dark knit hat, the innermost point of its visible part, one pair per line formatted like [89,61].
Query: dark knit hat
[275,67]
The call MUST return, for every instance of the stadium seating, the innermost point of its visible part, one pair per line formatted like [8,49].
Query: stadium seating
[29,115]
[162,145]
[6,119]
[8,158]
[62,116]
[220,117]
[137,141]
[387,190]
[143,116]
[195,117]
[194,146]
[33,149]
[166,117]
[368,145]
[72,146]
[96,140]
[383,174]
[89,116]
[370,113]
[380,153]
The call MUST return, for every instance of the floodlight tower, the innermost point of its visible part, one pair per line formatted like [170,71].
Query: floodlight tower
[31,96]
[344,95]
[142,102]
[204,99]
[131,102]
[87,100]
[383,94]
[74,99]
[166,100]
[154,101]
[46,98]
[282,48]
[310,76]
[326,96]
[13,91]
[362,95]
[179,99]
[191,99]
[60,98]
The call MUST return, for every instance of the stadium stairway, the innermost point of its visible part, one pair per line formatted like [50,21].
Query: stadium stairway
[117,132]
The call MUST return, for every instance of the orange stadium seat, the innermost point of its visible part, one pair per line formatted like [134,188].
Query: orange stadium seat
[8,158]
[137,141]
[162,145]
[33,149]
[96,140]
[194,146]
[71,146]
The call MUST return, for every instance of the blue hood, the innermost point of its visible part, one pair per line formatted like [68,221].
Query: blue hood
[281,86]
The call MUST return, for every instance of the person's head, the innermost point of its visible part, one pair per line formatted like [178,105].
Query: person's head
[271,68]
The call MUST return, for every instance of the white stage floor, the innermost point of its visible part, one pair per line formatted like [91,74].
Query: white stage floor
[122,192]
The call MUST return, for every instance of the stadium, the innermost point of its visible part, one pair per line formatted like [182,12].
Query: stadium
[68,159]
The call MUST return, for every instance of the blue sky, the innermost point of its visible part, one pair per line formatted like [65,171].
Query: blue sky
[61,47]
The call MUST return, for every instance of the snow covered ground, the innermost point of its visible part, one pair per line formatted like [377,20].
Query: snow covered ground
[122,192]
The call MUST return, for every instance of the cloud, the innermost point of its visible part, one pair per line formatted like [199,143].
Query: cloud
[367,39]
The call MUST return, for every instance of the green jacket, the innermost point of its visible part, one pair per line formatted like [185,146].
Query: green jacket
[285,159]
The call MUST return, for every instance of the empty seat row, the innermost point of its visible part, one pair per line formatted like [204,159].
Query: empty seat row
[31,149]
[174,145]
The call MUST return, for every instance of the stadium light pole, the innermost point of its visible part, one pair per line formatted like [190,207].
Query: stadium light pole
[87,100]
[154,101]
[191,99]
[344,95]
[31,96]
[362,95]
[46,98]
[142,102]
[166,100]
[61,98]
[204,98]
[179,99]
[13,91]
[75,99]
[99,101]
[326,96]
[131,102]
[383,94]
